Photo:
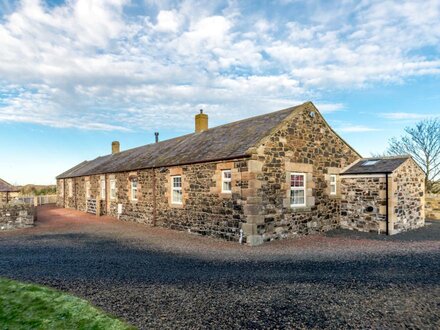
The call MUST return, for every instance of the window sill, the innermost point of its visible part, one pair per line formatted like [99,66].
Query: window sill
[177,205]
[300,209]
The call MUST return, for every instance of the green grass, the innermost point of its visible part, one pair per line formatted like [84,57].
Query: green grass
[28,306]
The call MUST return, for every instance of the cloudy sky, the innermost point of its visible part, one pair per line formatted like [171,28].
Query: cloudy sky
[77,74]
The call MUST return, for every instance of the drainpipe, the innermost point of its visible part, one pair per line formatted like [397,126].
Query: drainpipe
[387,203]
[154,199]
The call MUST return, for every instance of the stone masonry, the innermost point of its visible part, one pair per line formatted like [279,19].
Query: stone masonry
[363,205]
[304,143]
[432,207]
[14,216]
[407,197]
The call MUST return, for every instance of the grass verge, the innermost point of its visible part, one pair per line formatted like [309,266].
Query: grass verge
[29,306]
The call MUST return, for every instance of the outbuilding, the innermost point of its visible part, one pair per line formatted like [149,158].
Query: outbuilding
[7,192]
[384,195]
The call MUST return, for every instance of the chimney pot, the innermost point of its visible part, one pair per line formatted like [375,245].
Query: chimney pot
[115,147]
[201,122]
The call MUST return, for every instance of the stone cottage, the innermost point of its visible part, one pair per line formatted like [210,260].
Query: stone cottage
[268,177]
[7,192]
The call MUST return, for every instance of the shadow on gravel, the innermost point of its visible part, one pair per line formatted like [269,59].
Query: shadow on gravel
[153,289]
[431,232]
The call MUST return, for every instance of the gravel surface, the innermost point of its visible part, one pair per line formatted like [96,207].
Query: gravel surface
[162,279]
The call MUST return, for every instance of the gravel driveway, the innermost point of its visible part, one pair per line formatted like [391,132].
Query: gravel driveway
[158,278]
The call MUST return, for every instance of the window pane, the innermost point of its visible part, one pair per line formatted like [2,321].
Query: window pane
[227,186]
[332,178]
[297,197]
[227,174]
[177,196]
[177,182]
[297,180]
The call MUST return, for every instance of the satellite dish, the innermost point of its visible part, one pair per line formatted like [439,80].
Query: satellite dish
[312,114]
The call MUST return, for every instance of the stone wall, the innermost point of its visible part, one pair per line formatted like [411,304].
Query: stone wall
[363,205]
[432,207]
[407,197]
[205,209]
[14,216]
[305,144]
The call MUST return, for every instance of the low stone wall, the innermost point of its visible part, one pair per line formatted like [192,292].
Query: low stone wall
[432,207]
[14,216]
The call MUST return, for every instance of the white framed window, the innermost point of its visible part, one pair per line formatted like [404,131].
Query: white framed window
[298,189]
[112,189]
[70,187]
[87,189]
[226,181]
[333,184]
[103,189]
[176,186]
[134,190]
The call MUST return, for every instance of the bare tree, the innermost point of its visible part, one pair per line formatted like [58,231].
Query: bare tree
[422,142]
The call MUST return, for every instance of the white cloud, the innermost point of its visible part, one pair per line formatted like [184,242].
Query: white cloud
[168,21]
[92,60]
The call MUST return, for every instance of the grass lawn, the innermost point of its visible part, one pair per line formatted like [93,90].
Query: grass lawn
[28,306]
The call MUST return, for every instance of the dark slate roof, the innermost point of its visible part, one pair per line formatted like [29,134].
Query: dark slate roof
[6,187]
[223,142]
[382,166]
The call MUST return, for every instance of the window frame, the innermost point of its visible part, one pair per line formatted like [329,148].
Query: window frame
[333,184]
[303,188]
[103,189]
[112,189]
[175,189]
[226,180]
[134,190]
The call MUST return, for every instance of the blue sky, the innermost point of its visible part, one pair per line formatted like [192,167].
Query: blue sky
[76,75]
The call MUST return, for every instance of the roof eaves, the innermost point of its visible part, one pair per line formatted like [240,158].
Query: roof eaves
[165,166]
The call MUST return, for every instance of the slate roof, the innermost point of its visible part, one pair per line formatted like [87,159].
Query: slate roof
[6,187]
[382,166]
[219,143]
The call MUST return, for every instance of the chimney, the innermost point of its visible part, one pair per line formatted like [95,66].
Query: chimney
[201,122]
[115,147]
[156,135]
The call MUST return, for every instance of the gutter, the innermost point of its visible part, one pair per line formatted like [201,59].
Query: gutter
[157,166]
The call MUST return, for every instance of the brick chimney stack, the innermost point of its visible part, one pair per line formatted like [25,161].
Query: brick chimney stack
[115,147]
[201,122]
